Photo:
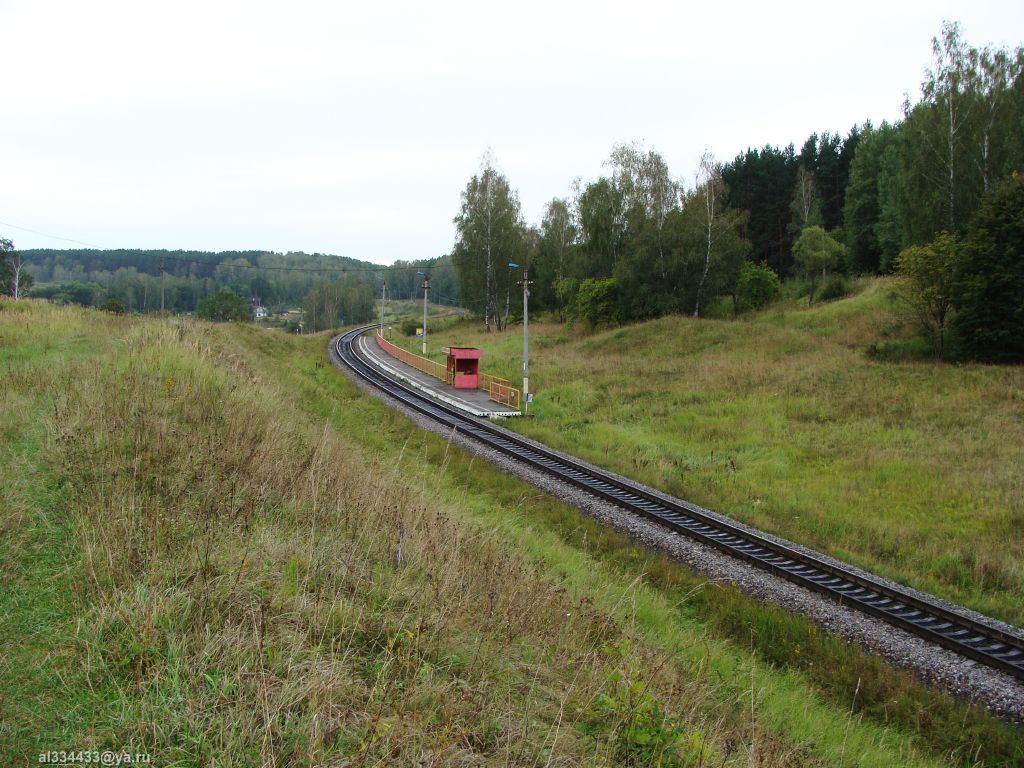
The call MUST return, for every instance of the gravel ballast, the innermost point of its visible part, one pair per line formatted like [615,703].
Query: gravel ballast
[964,678]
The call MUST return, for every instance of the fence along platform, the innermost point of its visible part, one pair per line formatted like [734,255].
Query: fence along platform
[498,390]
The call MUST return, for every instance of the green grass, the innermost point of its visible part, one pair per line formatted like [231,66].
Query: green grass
[794,420]
[839,672]
[45,698]
[249,561]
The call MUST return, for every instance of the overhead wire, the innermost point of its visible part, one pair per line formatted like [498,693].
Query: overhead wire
[206,263]
[44,234]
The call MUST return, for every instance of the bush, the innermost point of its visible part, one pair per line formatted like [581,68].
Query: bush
[84,294]
[835,288]
[757,287]
[409,327]
[596,303]
[566,289]
[928,275]
[900,350]
[112,305]
[989,289]
[223,306]
[639,731]
[814,253]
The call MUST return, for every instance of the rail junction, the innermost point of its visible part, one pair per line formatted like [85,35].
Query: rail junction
[990,645]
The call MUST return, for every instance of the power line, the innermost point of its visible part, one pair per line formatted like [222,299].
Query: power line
[44,234]
[201,262]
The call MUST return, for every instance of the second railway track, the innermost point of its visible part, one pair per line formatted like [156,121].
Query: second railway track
[964,635]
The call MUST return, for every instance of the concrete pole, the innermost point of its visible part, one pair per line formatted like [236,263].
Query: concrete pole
[383,298]
[526,343]
[426,287]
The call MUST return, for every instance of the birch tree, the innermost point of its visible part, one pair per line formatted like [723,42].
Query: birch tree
[489,234]
[13,278]
[719,243]
[806,203]
[602,227]
[963,136]
[558,234]
[556,244]
[998,69]
[949,85]
[648,190]
[17,263]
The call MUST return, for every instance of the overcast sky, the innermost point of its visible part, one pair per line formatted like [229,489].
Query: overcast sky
[348,128]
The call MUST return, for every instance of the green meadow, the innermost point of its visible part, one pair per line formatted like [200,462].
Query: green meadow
[217,551]
[823,425]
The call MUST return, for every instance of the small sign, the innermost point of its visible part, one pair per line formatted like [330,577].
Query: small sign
[419,333]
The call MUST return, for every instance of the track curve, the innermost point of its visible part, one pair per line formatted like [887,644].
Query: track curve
[964,635]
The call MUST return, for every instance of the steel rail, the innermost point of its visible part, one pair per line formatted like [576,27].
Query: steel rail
[927,619]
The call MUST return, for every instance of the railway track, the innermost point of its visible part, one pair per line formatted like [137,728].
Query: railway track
[922,617]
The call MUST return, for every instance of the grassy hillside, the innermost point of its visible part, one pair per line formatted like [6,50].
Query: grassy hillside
[794,421]
[216,550]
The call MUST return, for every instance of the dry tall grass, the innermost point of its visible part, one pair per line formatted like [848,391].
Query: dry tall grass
[261,594]
[248,587]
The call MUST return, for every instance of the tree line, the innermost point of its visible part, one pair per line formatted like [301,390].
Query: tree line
[638,242]
[330,289]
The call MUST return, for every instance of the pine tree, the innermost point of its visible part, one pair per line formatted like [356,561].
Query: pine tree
[990,291]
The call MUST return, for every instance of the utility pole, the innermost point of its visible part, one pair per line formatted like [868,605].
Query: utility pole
[383,298]
[525,282]
[426,287]
[526,342]
[161,286]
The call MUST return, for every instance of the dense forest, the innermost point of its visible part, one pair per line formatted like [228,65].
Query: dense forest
[332,289]
[637,242]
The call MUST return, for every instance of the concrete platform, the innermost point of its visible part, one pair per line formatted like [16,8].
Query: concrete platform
[473,401]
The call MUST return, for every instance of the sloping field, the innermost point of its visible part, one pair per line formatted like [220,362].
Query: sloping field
[791,421]
[217,551]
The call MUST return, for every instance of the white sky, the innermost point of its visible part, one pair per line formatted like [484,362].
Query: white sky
[352,128]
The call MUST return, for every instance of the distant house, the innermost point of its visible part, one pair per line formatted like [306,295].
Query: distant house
[256,308]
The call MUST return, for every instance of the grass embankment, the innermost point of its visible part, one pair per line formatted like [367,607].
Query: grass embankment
[217,551]
[788,420]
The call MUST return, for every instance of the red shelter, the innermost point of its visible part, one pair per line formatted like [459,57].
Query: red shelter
[463,366]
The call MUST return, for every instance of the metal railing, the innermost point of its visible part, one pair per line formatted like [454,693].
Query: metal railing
[499,390]
[504,394]
[421,364]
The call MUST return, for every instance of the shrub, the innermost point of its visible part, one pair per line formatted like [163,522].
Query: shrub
[928,273]
[223,306]
[566,289]
[815,252]
[835,288]
[757,287]
[596,303]
[900,350]
[410,326]
[112,305]
[84,294]
[639,731]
